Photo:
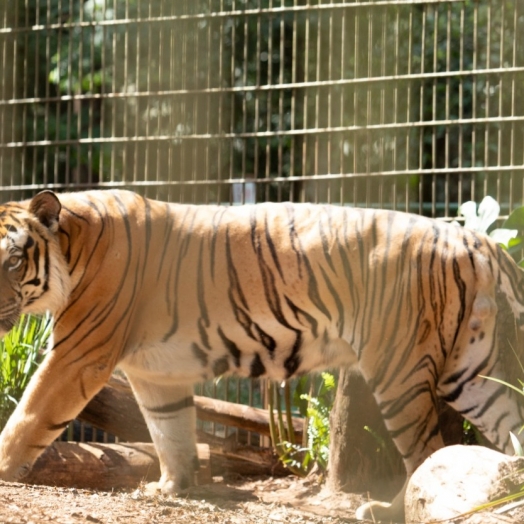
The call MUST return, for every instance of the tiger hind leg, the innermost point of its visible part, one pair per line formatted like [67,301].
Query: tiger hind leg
[171,418]
[408,404]
[467,384]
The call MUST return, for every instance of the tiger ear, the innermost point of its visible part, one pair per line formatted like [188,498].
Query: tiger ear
[46,207]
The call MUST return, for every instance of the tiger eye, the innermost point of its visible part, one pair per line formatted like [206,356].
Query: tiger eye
[13,260]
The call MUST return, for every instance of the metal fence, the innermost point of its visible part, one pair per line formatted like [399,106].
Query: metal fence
[406,104]
[413,105]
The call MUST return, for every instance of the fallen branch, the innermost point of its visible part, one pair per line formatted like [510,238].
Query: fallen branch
[104,466]
[115,410]
[125,466]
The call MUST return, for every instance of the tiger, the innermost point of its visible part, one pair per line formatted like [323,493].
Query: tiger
[175,294]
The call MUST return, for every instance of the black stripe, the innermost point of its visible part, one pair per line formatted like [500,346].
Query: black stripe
[385,258]
[302,315]
[481,368]
[217,219]
[462,294]
[72,268]
[168,231]
[220,366]
[501,391]
[267,340]
[313,292]
[273,301]
[416,314]
[123,314]
[67,250]
[173,407]
[253,226]
[338,301]
[392,408]
[257,367]
[325,246]
[147,211]
[293,236]
[466,245]
[273,250]
[203,321]
[292,363]
[239,304]
[199,354]
[366,324]
[182,252]
[230,346]
[234,281]
[59,426]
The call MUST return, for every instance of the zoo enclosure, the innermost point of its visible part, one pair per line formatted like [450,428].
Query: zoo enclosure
[410,105]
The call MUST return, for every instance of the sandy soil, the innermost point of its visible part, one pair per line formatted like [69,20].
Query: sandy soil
[259,501]
[268,500]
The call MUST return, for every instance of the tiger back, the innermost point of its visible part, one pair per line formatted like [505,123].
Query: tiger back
[175,294]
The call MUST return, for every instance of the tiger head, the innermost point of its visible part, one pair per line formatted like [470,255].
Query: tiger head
[33,272]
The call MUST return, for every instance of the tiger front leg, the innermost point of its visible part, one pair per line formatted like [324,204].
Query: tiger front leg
[55,395]
[170,415]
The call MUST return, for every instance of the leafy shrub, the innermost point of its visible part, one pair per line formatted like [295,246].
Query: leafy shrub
[315,406]
[21,350]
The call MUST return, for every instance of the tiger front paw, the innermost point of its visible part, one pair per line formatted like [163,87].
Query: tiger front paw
[13,473]
[172,484]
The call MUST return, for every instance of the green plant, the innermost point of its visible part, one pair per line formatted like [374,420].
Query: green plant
[21,350]
[314,450]
[317,449]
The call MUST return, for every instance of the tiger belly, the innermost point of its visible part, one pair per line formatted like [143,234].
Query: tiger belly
[174,362]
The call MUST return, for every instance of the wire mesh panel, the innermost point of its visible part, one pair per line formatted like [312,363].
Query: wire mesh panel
[411,105]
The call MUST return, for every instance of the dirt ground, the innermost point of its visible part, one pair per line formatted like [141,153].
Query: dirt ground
[258,501]
[269,500]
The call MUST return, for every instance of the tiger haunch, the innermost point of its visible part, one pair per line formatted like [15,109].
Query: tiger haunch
[175,294]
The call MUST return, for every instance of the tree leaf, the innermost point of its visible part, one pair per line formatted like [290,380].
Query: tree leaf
[515,219]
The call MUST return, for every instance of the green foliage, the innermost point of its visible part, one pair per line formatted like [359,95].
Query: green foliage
[20,353]
[315,451]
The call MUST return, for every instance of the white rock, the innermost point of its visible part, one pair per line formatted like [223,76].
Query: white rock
[457,479]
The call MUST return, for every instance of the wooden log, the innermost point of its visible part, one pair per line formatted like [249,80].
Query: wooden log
[104,466]
[229,456]
[115,410]
[239,416]
[125,466]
